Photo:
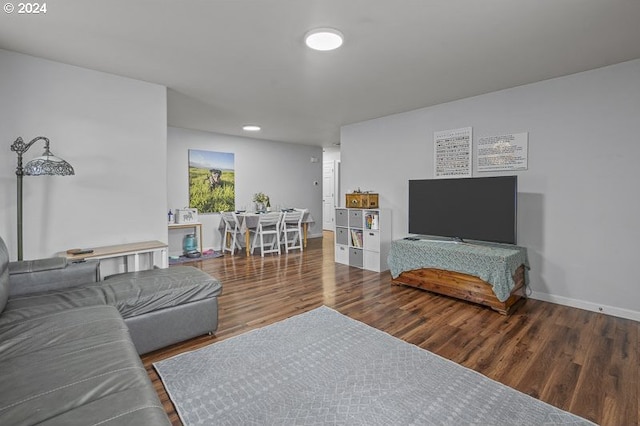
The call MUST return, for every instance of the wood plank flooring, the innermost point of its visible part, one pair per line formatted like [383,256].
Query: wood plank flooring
[583,362]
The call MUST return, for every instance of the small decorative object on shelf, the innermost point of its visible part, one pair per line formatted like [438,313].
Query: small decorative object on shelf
[186,215]
[362,200]
[261,200]
[171,217]
[371,220]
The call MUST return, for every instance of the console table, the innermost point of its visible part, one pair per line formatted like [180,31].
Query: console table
[130,251]
[196,226]
[486,273]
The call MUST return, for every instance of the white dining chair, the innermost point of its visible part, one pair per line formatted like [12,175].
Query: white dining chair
[268,226]
[292,230]
[231,232]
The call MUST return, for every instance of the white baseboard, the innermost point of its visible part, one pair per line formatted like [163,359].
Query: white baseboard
[589,306]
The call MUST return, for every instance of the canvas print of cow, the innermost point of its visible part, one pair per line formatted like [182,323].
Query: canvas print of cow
[211,181]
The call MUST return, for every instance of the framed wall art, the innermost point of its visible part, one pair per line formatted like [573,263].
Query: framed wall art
[452,153]
[211,181]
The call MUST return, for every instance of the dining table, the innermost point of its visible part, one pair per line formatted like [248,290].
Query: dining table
[249,220]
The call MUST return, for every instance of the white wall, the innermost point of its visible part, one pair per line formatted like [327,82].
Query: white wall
[578,200]
[283,171]
[113,132]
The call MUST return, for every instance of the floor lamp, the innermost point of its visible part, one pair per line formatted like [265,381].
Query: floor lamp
[46,164]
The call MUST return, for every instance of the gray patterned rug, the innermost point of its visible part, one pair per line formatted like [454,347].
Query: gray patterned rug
[322,367]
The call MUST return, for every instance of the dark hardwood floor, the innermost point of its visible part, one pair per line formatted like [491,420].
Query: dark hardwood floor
[583,362]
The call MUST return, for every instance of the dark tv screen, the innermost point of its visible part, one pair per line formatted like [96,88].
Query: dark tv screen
[465,208]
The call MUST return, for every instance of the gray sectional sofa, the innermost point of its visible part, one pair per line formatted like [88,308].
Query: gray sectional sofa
[70,344]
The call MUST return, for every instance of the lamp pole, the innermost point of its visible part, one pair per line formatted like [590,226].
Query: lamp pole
[20,148]
[19,174]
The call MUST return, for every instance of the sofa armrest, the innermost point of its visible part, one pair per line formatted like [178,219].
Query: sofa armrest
[38,265]
[50,274]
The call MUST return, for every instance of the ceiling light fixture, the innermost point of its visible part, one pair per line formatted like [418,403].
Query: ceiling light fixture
[324,39]
[251,128]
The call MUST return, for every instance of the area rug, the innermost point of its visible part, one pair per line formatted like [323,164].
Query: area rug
[322,367]
[204,256]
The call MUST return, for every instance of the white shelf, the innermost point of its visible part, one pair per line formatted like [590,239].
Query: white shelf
[363,238]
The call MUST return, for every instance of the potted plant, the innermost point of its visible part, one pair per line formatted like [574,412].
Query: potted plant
[261,199]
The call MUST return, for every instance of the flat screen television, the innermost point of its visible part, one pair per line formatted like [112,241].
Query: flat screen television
[481,208]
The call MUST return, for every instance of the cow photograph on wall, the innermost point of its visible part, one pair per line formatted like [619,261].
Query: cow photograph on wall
[211,181]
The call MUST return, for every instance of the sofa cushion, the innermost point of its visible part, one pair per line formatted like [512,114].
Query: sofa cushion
[125,407]
[74,366]
[138,293]
[133,293]
[38,265]
[4,275]
[33,305]
[46,332]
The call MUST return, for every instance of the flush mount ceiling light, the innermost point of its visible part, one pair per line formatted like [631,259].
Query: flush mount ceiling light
[324,39]
[251,128]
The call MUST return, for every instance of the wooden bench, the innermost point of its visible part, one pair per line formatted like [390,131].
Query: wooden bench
[490,274]
[465,287]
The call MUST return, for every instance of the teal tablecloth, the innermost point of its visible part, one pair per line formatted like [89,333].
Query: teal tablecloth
[493,263]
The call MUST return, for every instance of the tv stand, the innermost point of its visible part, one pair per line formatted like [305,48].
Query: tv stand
[489,274]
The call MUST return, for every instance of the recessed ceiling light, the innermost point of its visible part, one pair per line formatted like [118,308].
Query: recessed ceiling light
[251,128]
[324,39]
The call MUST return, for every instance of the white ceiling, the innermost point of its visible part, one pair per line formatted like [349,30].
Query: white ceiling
[231,62]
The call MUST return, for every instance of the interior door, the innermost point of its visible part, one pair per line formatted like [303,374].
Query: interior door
[328,195]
